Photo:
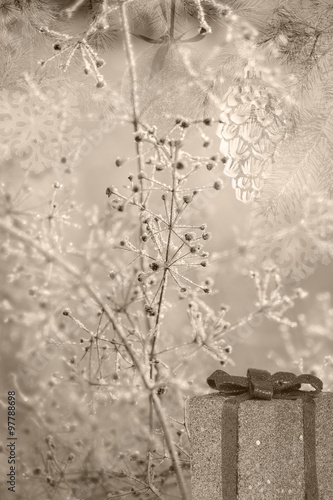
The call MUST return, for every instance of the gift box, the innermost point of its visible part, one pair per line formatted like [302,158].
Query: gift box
[262,438]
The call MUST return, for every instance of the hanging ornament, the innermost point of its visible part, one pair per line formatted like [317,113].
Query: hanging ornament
[252,125]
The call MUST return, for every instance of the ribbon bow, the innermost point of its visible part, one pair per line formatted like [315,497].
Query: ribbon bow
[260,384]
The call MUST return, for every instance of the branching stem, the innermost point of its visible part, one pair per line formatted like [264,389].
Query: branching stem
[154,401]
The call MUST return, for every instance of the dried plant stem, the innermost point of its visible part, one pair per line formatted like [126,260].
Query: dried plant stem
[152,355]
[134,84]
[171,447]
[154,401]
[135,110]
[172,18]
[166,260]
[51,256]
[139,153]
[74,272]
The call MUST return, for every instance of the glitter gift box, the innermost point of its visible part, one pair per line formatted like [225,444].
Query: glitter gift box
[262,438]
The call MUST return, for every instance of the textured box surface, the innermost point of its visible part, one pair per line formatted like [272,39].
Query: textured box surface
[270,448]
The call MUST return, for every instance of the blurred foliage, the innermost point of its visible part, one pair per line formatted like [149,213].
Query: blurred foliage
[116,286]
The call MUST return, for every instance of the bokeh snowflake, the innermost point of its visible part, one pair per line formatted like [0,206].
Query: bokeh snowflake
[298,241]
[38,125]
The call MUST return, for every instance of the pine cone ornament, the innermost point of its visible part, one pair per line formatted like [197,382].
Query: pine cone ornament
[252,125]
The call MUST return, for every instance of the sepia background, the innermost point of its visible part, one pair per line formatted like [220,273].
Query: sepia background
[58,412]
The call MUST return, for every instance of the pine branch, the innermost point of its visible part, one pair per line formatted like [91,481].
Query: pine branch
[303,162]
[299,169]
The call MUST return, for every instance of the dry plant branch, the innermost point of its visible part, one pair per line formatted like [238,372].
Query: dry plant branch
[153,399]
[51,256]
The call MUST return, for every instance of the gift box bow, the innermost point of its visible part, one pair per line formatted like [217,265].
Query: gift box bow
[260,384]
